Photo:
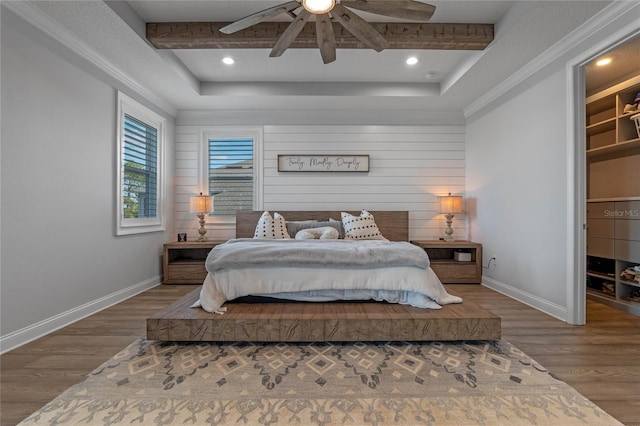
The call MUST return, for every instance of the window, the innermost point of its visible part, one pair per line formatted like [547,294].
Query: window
[140,179]
[140,171]
[231,174]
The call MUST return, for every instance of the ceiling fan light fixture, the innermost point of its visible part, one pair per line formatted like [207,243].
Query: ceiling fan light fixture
[318,7]
[330,13]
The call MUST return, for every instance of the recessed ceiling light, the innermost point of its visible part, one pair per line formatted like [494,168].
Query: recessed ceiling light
[228,60]
[603,62]
[430,75]
[412,60]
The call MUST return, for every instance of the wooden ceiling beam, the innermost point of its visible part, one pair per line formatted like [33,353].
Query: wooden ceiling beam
[206,35]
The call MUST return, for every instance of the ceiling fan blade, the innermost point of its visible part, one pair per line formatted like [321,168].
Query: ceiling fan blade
[258,17]
[290,33]
[326,38]
[359,28]
[403,9]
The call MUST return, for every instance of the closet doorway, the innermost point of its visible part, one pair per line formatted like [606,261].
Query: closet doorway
[612,176]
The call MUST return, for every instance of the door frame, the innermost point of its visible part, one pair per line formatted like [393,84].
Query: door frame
[577,171]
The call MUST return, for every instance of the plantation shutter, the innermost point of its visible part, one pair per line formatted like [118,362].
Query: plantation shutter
[140,183]
[231,174]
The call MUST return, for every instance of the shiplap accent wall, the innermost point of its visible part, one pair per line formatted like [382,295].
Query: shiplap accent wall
[409,167]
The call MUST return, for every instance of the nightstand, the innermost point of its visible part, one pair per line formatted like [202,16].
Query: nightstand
[449,270]
[183,262]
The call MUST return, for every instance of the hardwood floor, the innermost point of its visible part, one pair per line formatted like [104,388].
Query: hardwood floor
[601,360]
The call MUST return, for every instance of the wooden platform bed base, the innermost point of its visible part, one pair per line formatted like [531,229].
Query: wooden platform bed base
[321,322]
[285,321]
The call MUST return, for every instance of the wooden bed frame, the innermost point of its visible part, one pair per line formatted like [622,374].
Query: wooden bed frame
[285,321]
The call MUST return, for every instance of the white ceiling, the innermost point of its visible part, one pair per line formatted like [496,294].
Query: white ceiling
[221,11]
[353,65]
[364,79]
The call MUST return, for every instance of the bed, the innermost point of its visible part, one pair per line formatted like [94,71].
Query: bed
[273,319]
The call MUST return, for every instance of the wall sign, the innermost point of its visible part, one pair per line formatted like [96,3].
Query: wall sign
[323,163]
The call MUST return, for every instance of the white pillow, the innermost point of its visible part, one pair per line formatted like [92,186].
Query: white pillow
[296,226]
[322,233]
[274,228]
[361,227]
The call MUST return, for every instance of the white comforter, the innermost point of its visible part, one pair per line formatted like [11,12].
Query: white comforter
[413,285]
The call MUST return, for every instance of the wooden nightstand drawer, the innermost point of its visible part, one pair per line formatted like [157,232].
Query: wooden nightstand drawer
[186,273]
[458,272]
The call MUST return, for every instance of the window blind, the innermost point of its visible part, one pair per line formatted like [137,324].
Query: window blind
[231,174]
[140,155]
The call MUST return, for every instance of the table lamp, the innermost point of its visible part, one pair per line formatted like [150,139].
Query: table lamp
[450,205]
[201,204]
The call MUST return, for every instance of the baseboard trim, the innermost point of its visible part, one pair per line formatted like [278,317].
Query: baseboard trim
[35,331]
[536,302]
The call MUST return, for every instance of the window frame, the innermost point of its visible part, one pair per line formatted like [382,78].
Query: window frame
[134,109]
[235,132]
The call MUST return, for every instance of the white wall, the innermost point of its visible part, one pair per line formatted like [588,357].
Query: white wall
[60,258]
[520,175]
[409,167]
[516,184]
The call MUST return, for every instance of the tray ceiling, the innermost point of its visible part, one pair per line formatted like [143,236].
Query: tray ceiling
[442,80]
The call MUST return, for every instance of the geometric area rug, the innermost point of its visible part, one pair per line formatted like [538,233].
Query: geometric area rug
[408,383]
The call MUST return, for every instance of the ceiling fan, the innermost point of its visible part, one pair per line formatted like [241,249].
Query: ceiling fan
[326,11]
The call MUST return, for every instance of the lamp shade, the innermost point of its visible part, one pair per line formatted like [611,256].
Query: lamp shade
[451,204]
[201,203]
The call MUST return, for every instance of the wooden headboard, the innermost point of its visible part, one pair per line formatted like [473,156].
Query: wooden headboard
[394,225]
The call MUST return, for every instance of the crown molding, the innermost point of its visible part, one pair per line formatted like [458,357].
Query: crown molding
[597,22]
[36,17]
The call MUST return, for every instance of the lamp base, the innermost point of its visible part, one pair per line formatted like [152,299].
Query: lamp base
[449,230]
[202,231]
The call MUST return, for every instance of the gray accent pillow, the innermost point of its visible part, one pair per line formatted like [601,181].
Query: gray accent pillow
[338,223]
